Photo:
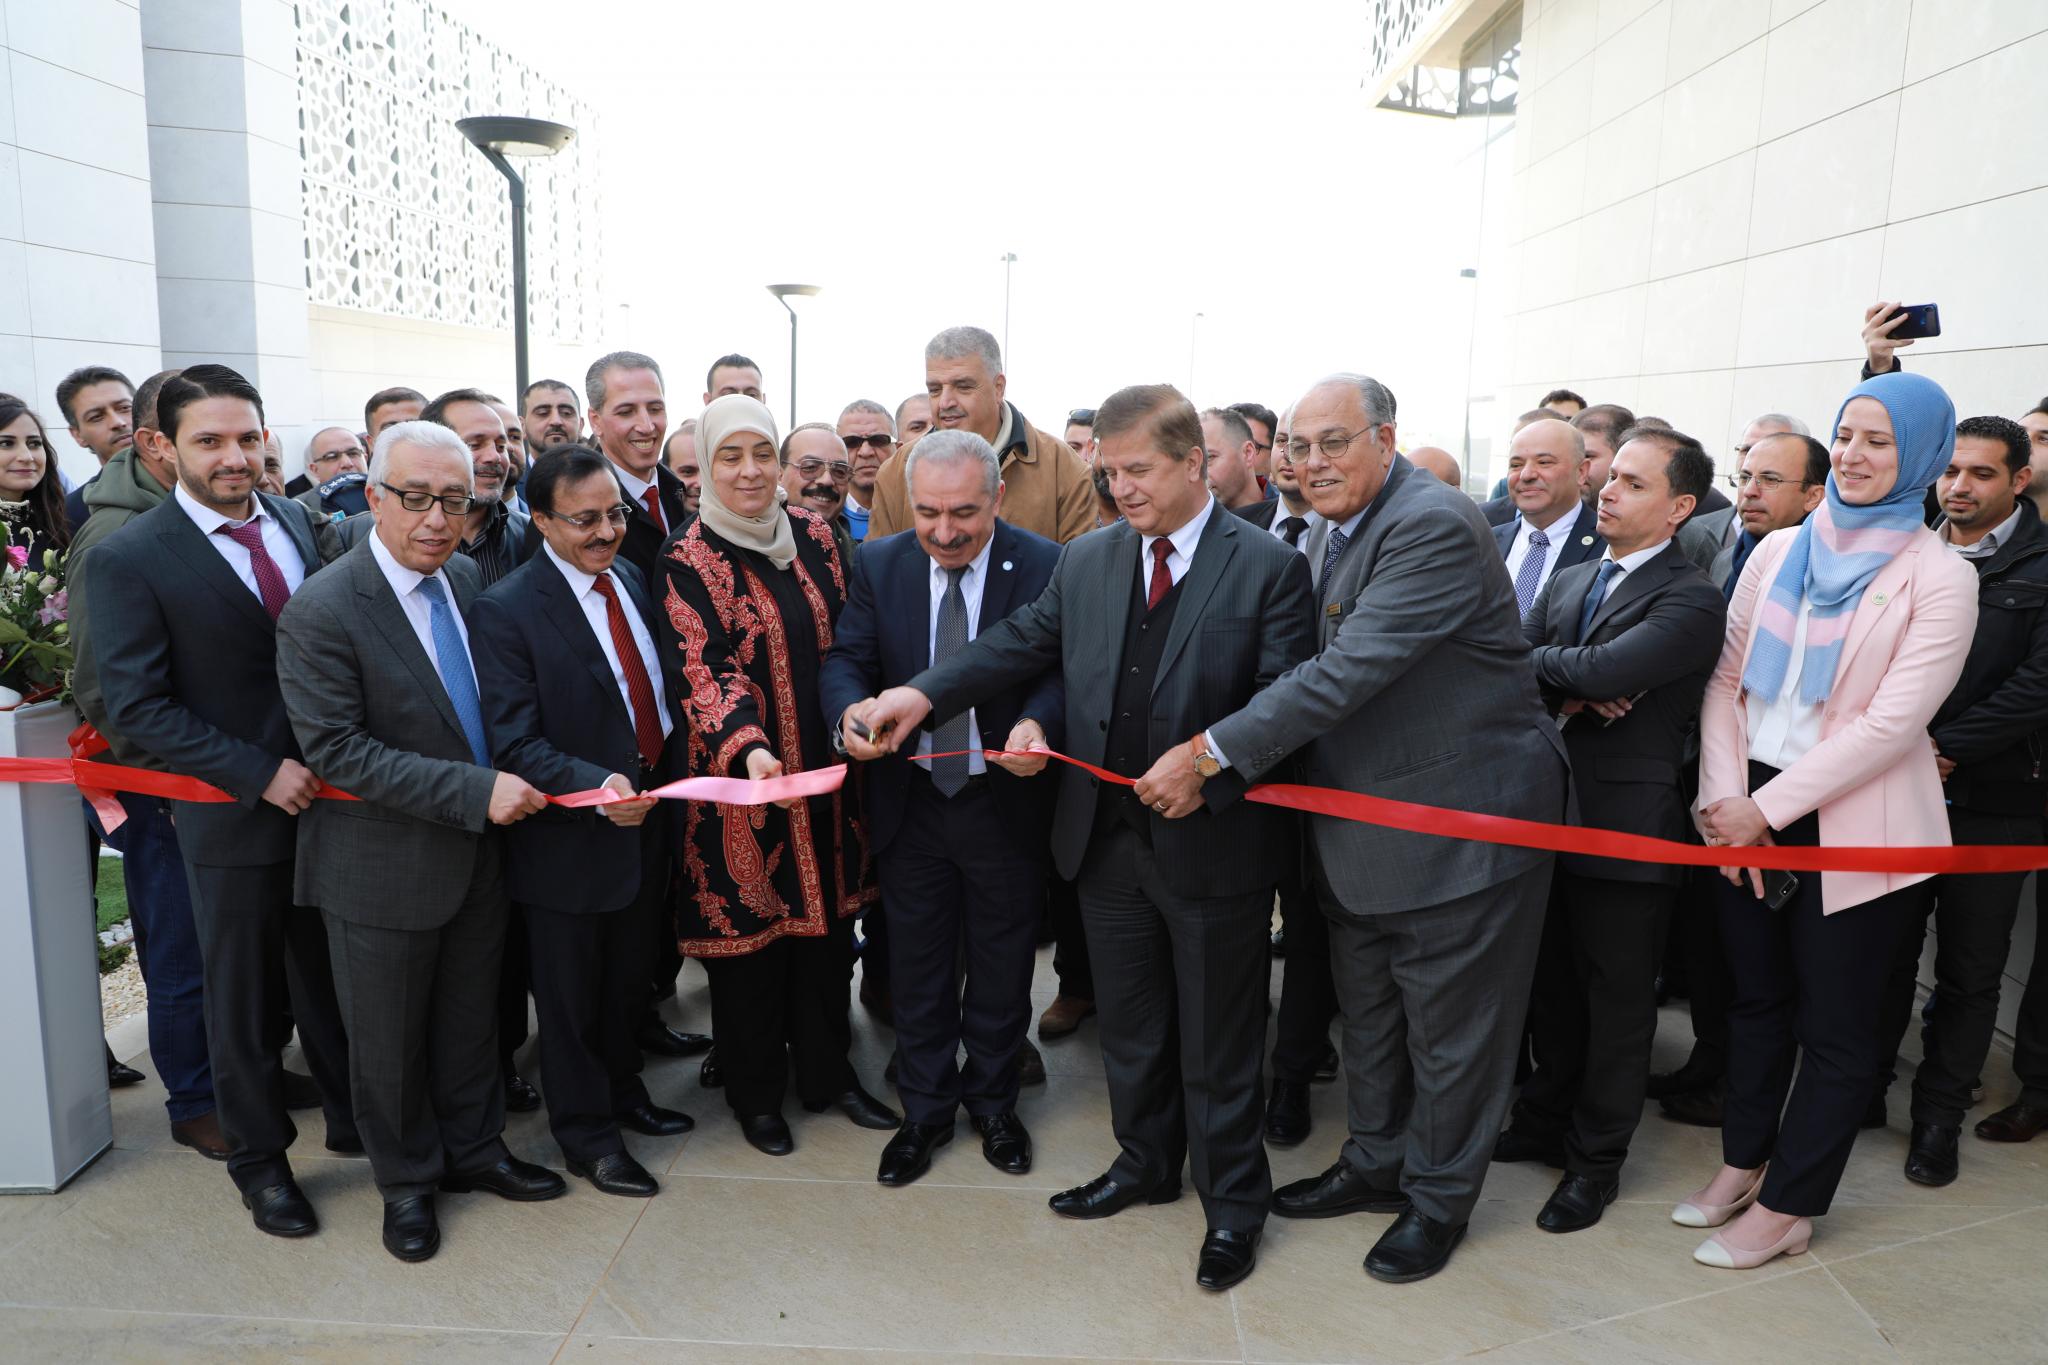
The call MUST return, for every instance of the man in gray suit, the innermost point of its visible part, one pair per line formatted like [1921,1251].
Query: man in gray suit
[373,659]
[1423,692]
[1176,615]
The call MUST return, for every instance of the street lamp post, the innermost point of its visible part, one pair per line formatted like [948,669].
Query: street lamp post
[499,138]
[782,293]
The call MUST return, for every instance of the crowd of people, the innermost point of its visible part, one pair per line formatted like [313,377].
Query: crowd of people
[469,608]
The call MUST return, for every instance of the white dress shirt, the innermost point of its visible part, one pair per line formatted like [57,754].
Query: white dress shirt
[1558,533]
[584,586]
[971,584]
[1782,729]
[1629,564]
[419,612]
[636,490]
[275,540]
[1183,557]
[1279,531]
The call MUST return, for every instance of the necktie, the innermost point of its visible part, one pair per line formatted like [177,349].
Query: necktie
[949,775]
[1744,543]
[1531,575]
[1333,552]
[1162,577]
[1291,529]
[1595,595]
[270,584]
[646,715]
[652,497]
[457,677]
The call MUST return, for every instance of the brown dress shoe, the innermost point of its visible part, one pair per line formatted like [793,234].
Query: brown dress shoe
[202,1135]
[2014,1123]
[1063,1016]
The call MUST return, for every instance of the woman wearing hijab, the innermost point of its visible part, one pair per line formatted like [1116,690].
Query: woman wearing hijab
[1844,635]
[753,588]
[31,493]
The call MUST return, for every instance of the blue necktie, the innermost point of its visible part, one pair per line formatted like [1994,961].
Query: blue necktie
[1530,576]
[1595,595]
[456,674]
[1331,554]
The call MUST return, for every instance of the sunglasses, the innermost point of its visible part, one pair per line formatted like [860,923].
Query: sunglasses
[879,441]
[1081,417]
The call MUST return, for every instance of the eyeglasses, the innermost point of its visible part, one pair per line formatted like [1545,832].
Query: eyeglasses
[1331,446]
[811,468]
[583,521]
[348,453]
[880,441]
[1081,417]
[412,500]
[1766,482]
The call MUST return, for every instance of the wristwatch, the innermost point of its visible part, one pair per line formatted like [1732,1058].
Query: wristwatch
[1206,765]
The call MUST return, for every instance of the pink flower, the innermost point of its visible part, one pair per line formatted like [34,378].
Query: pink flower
[54,609]
[17,556]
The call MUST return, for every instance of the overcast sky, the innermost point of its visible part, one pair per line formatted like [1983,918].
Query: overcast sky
[1145,163]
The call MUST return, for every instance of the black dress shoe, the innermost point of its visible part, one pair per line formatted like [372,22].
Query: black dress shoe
[300,1092]
[1701,1108]
[1227,1257]
[1287,1120]
[1005,1142]
[864,1109]
[2017,1122]
[411,1231]
[520,1096]
[1414,1248]
[769,1133]
[1931,1159]
[1328,1068]
[1687,1077]
[908,1155]
[281,1210]
[1104,1195]
[120,1074]
[347,1144]
[1339,1190]
[509,1178]
[655,1121]
[617,1174]
[710,1075]
[1576,1203]
[663,1041]
[1518,1146]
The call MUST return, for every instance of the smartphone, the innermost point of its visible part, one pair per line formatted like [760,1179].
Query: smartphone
[1779,888]
[1922,320]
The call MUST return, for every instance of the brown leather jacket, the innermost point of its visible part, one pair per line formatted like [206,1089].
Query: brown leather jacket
[1046,488]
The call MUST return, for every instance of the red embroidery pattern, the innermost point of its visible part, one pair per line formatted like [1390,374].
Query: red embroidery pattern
[822,533]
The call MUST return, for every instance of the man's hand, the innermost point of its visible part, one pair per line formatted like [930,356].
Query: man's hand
[1173,787]
[513,799]
[1879,321]
[625,814]
[762,765]
[1027,734]
[861,750]
[895,715]
[1942,763]
[1611,710]
[292,787]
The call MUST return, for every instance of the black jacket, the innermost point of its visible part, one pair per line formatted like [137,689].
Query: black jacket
[1991,722]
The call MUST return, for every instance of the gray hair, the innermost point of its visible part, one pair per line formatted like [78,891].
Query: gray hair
[1377,397]
[954,447]
[1782,422]
[957,343]
[869,405]
[427,436]
[811,426]
[593,378]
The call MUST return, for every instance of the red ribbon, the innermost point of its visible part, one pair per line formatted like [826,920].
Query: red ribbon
[97,781]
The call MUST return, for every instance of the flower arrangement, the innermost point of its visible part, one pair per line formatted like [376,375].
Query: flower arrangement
[35,635]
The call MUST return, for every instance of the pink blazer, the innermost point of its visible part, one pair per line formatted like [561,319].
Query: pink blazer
[1872,775]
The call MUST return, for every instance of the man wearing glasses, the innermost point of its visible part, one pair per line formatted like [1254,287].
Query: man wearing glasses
[816,474]
[870,436]
[336,463]
[1774,493]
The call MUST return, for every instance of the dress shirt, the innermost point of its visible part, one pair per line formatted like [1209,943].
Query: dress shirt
[419,613]
[584,586]
[971,584]
[636,489]
[856,517]
[1279,532]
[1784,728]
[1987,544]
[1628,563]
[275,540]
[1183,541]
[1559,533]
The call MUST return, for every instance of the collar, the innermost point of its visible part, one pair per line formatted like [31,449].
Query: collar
[402,579]
[1183,541]
[494,521]
[207,519]
[580,583]
[636,487]
[1007,434]
[1559,531]
[854,507]
[1990,544]
[1631,562]
[977,570]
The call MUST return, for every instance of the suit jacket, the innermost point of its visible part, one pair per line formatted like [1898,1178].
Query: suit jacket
[1654,637]
[883,639]
[556,718]
[1872,776]
[1500,511]
[1259,514]
[374,720]
[1709,541]
[1422,692]
[644,537]
[187,666]
[1585,541]
[1244,617]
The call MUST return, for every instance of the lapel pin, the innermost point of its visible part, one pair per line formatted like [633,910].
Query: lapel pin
[1585,540]
[1877,599]
[1333,610]
[1006,566]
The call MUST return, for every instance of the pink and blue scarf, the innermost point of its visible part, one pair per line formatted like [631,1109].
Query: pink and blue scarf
[1841,547]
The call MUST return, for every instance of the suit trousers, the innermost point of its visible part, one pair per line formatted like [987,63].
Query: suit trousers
[421,1010]
[787,998]
[959,887]
[1070,964]
[1182,1002]
[1434,1000]
[1808,988]
[1593,1012]
[1308,994]
[258,949]
[515,984]
[1708,986]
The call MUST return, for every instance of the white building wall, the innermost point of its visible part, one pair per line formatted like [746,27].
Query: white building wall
[77,256]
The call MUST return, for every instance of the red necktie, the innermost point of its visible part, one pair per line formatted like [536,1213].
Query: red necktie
[652,497]
[1162,580]
[646,716]
[270,584]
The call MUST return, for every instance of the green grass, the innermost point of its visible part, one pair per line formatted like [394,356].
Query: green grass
[113,893]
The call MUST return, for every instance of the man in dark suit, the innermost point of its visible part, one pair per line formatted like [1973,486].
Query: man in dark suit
[1552,528]
[186,600]
[1178,614]
[628,419]
[373,659]
[961,841]
[1422,692]
[578,702]
[1623,649]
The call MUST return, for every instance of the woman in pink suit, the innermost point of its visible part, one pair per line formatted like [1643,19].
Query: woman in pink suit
[1844,635]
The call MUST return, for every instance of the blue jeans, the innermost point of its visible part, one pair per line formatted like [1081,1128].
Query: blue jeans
[167,947]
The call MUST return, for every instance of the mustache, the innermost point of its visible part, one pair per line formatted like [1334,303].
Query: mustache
[820,490]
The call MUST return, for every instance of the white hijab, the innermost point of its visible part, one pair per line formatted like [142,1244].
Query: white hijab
[769,533]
